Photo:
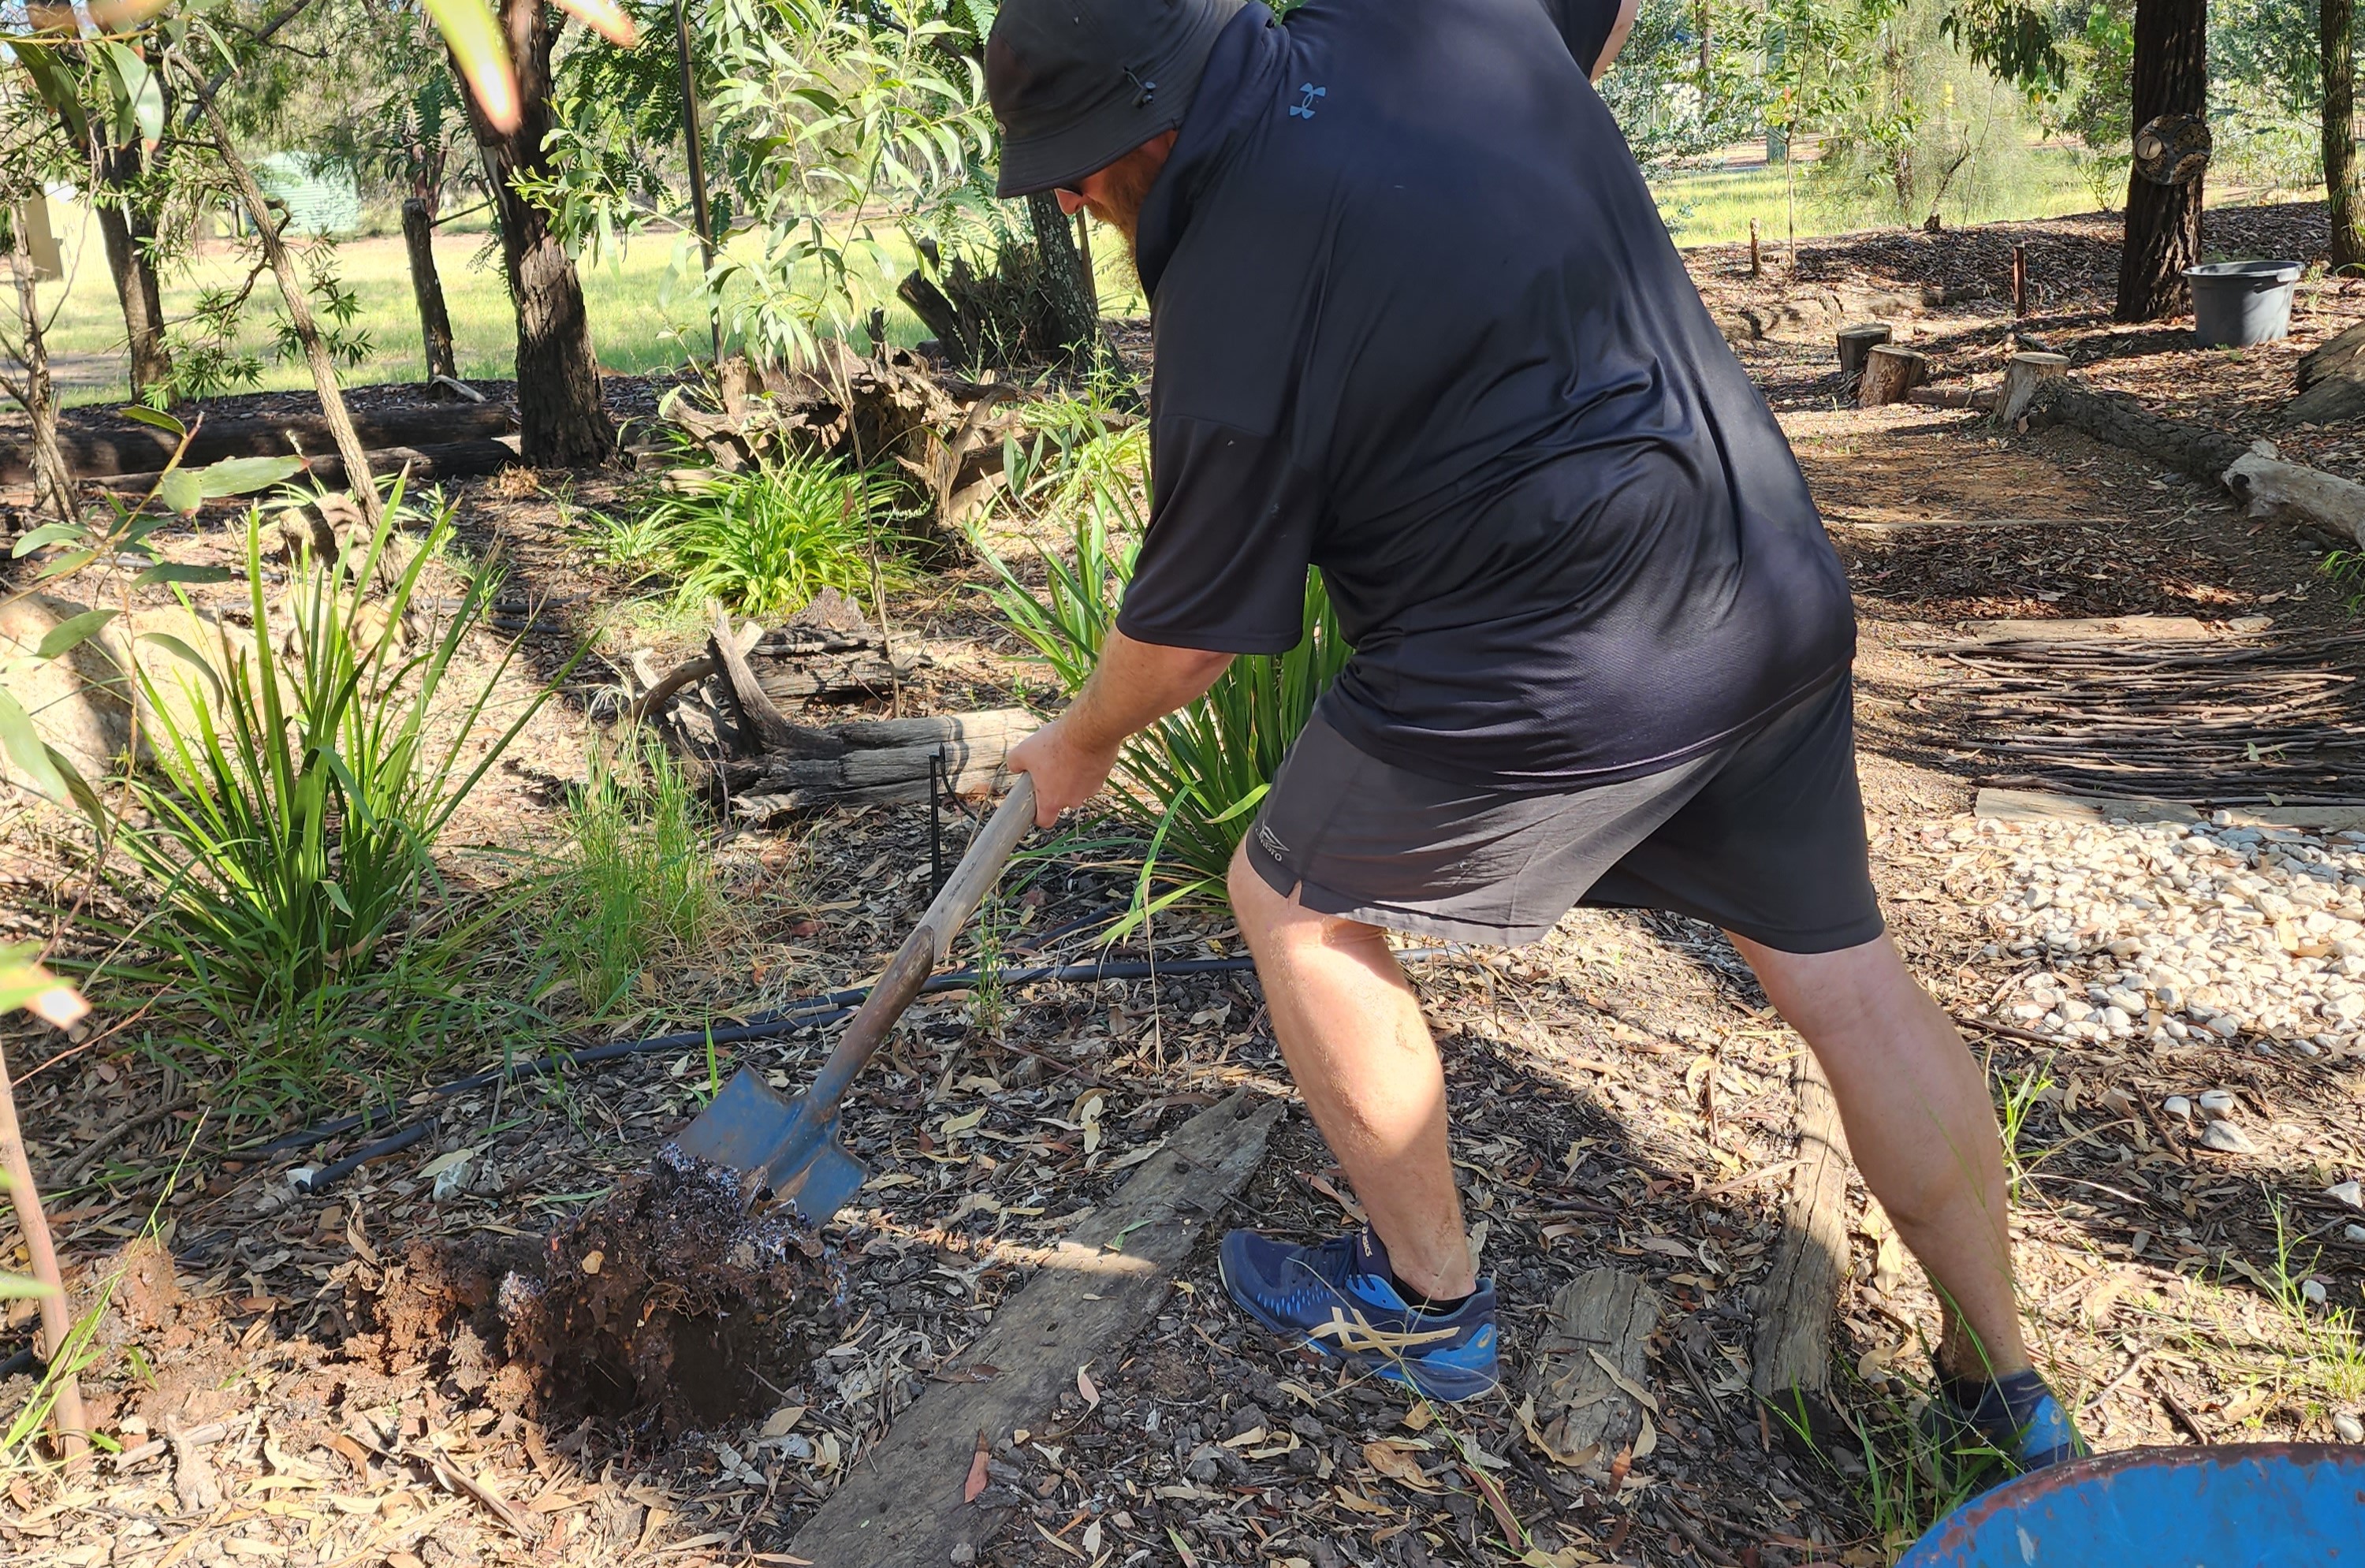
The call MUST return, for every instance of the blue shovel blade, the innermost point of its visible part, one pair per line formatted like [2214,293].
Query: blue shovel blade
[774,1144]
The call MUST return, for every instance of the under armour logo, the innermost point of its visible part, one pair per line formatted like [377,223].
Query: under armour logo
[1305,111]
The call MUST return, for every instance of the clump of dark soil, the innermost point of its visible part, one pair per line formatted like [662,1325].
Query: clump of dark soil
[666,1303]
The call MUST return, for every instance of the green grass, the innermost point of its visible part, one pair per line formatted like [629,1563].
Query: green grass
[640,319]
[1713,205]
[766,541]
[636,881]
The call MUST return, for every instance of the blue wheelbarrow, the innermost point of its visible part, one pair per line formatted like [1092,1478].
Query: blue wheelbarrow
[2237,1507]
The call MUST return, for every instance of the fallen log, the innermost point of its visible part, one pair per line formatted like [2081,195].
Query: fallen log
[2120,420]
[880,761]
[1791,1359]
[2293,492]
[919,1495]
[447,460]
[137,449]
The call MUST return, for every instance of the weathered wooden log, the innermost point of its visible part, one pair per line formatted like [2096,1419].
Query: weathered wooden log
[1889,372]
[883,760]
[137,449]
[1599,1335]
[2340,355]
[1791,1362]
[2333,400]
[759,718]
[2021,376]
[2293,492]
[2120,420]
[1855,345]
[449,460]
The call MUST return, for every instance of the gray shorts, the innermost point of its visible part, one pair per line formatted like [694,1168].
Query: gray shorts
[1764,835]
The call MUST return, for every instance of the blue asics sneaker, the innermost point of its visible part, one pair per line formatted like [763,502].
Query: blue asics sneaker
[1340,1297]
[2015,1418]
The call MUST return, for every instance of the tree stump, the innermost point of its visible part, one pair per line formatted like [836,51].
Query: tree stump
[2022,377]
[1855,343]
[1889,372]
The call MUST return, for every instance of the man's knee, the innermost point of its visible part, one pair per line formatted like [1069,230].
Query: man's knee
[1254,904]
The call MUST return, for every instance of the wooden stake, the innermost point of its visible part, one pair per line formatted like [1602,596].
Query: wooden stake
[2019,279]
[57,1324]
[1756,264]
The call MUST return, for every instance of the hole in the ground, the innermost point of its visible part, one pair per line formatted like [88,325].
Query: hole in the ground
[665,1303]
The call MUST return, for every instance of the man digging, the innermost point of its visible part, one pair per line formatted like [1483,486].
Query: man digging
[1418,324]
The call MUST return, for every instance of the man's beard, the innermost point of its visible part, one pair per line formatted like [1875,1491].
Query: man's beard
[1125,185]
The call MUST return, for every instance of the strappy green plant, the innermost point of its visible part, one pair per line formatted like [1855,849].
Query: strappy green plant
[302,782]
[1192,780]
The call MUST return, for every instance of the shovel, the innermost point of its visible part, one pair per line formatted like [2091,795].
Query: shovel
[789,1148]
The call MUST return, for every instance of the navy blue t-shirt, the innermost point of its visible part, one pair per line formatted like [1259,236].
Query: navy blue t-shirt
[1418,323]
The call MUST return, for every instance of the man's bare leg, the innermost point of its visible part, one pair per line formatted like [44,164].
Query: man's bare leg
[1920,1128]
[1352,1034]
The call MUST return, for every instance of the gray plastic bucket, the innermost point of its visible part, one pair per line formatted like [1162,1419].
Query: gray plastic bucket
[2241,302]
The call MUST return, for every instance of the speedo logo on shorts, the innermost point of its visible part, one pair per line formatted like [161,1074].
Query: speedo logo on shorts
[1270,841]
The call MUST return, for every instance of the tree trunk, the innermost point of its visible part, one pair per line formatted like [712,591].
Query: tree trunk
[427,290]
[2337,32]
[2163,227]
[561,420]
[52,481]
[1064,279]
[127,225]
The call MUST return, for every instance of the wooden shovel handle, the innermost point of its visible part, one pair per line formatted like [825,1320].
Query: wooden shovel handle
[930,943]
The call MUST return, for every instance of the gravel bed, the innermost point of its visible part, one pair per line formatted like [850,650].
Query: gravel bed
[2171,932]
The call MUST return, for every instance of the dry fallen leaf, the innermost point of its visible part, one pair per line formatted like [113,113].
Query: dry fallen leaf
[1355,1502]
[1084,1386]
[1396,1464]
[1419,1416]
[1627,1385]
[976,1482]
[1501,1506]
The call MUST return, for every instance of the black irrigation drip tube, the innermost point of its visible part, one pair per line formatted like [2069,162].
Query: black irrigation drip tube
[805,1013]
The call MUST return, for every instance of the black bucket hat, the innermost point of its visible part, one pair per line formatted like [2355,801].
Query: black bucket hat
[1078,84]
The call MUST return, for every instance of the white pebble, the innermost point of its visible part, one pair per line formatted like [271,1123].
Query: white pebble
[2349,1193]
[2313,1292]
[2228,1138]
[2352,1232]
[2217,1102]
[2350,1428]
[2177,1106]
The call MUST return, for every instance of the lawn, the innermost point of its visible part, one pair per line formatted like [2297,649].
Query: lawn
[1713,205]
[640,315]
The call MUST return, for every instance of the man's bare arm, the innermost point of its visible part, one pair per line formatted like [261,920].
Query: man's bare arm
[1627,11]
[1135,685]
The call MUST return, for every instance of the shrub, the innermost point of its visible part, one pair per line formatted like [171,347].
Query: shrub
[636,881]
[766,541]
[299,787]
[1193,779]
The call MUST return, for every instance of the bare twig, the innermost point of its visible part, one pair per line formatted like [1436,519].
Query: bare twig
[57,1326]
